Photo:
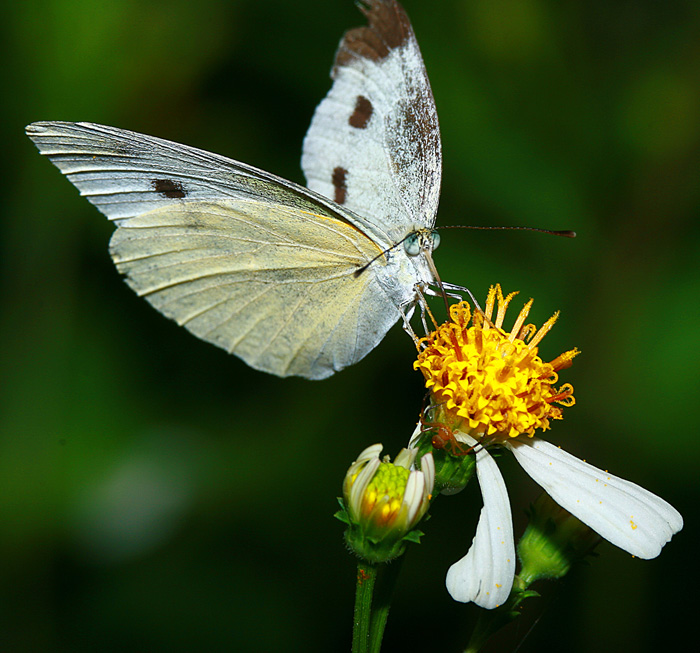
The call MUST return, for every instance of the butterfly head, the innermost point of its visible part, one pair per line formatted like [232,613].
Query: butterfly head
[419,246]
[423,241]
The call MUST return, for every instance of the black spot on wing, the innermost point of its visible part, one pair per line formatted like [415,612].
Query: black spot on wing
[362,113]
[339,183]
[169,188]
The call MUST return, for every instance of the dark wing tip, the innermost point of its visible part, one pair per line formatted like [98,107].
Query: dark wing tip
[388,28]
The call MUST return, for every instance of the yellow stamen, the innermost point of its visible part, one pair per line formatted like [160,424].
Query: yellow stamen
[521,320]
[490,301]
[544,330]
[502,306]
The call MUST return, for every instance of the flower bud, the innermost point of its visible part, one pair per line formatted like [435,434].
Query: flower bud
[384,501]
[553,541]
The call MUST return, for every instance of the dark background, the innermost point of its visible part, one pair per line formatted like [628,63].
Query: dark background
[156,494]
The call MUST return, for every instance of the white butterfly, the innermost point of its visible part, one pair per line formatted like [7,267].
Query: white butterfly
[294,281]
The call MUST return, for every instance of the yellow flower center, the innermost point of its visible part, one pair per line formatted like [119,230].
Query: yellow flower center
[488,382]
[386,489]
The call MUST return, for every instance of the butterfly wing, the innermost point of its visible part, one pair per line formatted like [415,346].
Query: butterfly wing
[252,263]
[273,285]
[374,142]
[124,173]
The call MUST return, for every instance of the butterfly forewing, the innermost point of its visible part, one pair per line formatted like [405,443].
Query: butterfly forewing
[252,263]
[124,173]
[374,141]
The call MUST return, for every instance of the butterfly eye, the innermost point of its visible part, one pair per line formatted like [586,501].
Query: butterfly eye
[434,239]
[412,244]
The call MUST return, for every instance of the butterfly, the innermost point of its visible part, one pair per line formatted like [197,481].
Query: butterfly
[293,280]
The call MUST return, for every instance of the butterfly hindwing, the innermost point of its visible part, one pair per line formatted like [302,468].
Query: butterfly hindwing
[374,142]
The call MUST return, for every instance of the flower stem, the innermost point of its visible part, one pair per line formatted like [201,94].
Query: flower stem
[372,609]
[382,603]
[364,590]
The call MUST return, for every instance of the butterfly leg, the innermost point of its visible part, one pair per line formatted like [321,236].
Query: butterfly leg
[459,291]
[406,311]
[421,291]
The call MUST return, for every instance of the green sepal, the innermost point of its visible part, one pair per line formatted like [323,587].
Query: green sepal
[371,549]
[413,536]
[378,550]
[453,471]
[342,514]
[529,594]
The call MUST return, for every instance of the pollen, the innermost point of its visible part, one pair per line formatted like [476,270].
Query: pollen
[491,382]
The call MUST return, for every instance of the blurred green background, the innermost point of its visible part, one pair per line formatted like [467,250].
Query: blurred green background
[157,494]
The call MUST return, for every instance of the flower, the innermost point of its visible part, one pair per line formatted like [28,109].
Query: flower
[490,388]
[491,382]
[384,502]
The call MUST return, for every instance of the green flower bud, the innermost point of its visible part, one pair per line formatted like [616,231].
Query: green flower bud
[384,501]
[552,542]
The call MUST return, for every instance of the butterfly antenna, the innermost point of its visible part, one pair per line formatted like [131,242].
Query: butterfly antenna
[359,271]
[552,232]
[566,233]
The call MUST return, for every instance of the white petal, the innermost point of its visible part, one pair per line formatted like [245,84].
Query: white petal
[620,511]
[413,494]
[370,452]
[405,458]
[427,466]
[485,574]
[417,432]
[357,491]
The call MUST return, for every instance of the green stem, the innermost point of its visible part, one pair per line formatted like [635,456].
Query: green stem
[372,607]
[366,577]
[382,603]
[487,624]
[491,621]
